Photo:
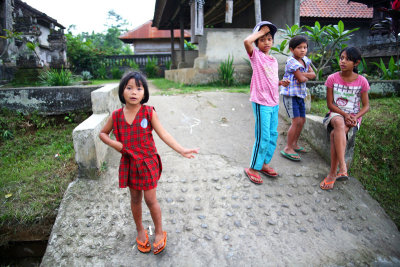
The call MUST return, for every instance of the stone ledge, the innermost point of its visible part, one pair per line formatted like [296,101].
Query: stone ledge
[105,99]
[90,151]
[314,132]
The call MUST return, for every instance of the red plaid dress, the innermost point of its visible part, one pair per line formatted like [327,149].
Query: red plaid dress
[140,166]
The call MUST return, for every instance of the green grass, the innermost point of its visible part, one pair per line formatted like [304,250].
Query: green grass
[376,161]
[319,107]
[98,82]
[32,178]
[169,88]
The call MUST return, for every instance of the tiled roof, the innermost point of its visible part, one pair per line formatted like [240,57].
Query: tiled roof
[145,31]
[334,9]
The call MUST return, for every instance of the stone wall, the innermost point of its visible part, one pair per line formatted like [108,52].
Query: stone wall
[47,100]
[378,88]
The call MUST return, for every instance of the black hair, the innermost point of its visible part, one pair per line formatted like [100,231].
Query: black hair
[353,54]
[297,40]
[139,79]
[256,41]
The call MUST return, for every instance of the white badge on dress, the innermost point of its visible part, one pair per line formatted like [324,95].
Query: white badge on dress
[143,123]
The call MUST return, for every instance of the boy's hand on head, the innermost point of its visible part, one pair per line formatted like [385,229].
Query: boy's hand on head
[265,29]
[188,153]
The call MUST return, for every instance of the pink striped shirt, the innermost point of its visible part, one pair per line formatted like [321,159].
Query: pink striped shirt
[264,86]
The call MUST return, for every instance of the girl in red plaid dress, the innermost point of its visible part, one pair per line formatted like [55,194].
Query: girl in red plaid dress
[140,166]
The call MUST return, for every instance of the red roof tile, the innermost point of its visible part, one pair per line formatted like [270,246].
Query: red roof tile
[334,9]
[145,31]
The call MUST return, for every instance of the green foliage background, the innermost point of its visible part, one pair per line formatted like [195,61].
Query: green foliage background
[85,51]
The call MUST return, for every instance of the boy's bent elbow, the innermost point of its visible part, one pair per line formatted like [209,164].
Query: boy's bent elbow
[303,80]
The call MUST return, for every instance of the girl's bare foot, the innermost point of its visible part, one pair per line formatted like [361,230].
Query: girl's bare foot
[141,236]
[328,182]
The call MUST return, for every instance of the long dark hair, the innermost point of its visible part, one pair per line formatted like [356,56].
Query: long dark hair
[139,79]
[353,54]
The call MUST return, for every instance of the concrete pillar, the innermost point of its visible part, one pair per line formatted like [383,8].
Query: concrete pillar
[182,41]
[173,62]
[257,10]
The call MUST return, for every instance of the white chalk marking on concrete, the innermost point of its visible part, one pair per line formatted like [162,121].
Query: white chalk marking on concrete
[191,121]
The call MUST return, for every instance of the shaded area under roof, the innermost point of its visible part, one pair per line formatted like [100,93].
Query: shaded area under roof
[372,3]
[167,12]
[146,31]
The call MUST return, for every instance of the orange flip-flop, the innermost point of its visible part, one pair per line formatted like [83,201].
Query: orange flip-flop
[342,176]
[325,183]
[254,178]
[144,247]
[159,242]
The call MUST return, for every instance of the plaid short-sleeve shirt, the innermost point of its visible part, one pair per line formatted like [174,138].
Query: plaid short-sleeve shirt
[295,88]
[140,165]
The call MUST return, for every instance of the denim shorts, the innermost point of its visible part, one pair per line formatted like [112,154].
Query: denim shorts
[295,106]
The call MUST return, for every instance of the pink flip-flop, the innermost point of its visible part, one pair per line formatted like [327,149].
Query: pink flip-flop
[254,178]
[270,172]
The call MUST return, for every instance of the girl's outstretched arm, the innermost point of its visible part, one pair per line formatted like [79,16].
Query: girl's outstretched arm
[169,140]
[105,136]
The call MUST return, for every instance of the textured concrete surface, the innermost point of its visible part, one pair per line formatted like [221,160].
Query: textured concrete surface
[47,100]
[213,214]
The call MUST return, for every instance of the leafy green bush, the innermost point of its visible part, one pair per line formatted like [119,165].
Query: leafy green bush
[86,76]
[189,46]
[116,73]
[133,65]
[101,72]
[389,73]
[151,67]
[54,77]
[225,72]
[168,65]
[83,55]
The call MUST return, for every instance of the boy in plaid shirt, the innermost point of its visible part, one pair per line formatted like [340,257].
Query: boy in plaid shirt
[298,71]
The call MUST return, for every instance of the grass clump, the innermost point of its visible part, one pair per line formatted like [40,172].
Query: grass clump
[36,165]
[377,151]
[226,71]
[54,77]
[376,155]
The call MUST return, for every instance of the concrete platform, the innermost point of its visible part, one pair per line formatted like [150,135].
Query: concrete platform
[213,214]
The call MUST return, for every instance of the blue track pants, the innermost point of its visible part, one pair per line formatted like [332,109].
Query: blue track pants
[266,134]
